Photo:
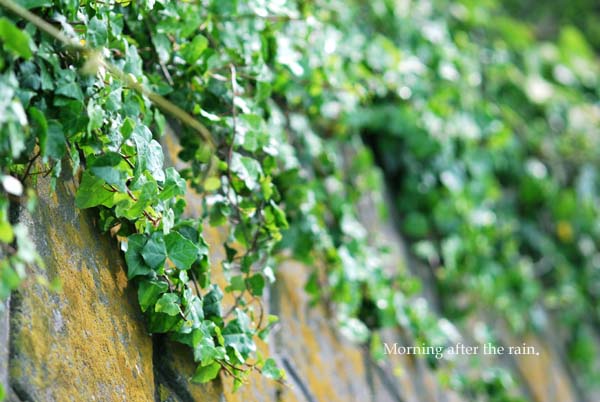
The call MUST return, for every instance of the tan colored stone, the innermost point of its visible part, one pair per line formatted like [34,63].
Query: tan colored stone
[87,342]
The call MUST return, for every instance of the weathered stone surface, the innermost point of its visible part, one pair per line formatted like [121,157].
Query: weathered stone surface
[321,365]
[87,342]
[4,345]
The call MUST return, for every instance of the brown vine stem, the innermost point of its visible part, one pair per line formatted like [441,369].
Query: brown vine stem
[130,81]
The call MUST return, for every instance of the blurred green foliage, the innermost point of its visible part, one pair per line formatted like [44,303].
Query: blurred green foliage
[489,137]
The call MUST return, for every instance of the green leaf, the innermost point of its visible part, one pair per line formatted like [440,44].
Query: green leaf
[205,374]
[174,185]
[238,336]
[237,282]
[14,38]
[96,116]
[192,51]
[54,142]
[212,184]
[159,323]
[205,350]
[133,256]
[6,232]
[107,167]
[256,284]
[168,303]
[193,310]
[97,33]
[149,292]
[247,169]
[69,89]
[155,252]
[181,251]
[212,302]
[91,192]
[270,370]
[134,211]
[149,154]
[163,46]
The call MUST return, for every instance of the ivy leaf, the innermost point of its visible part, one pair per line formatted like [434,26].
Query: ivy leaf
[97,33]
[106,167]
[237,282]
[174,185]
[155,252]
[192,51]
[205,374]
[205,350]
[247,169]
[91,192]
[15,39]
[53,143]
[149,292]
[181,251]
[168,304]
[212,302]
[238,336]
[149,154]
[126,209]
[160,323]
[155,161]
[133,256]
[68,88]
[256,284]
[193,311]
[270,370]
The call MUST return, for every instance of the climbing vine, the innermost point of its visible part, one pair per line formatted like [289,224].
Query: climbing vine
[270,101]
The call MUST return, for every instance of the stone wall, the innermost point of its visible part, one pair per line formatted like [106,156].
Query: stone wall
[89,341]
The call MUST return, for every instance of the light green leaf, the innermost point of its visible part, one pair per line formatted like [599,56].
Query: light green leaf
[91,192]
[14,38]
[168,304]
[270,370]
[206,373]
[192,51]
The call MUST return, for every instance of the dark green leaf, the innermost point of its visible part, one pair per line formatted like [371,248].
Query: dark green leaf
[256,284]
[133,256]
[155,252]
[180,250]
[149,291]
[54,141]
